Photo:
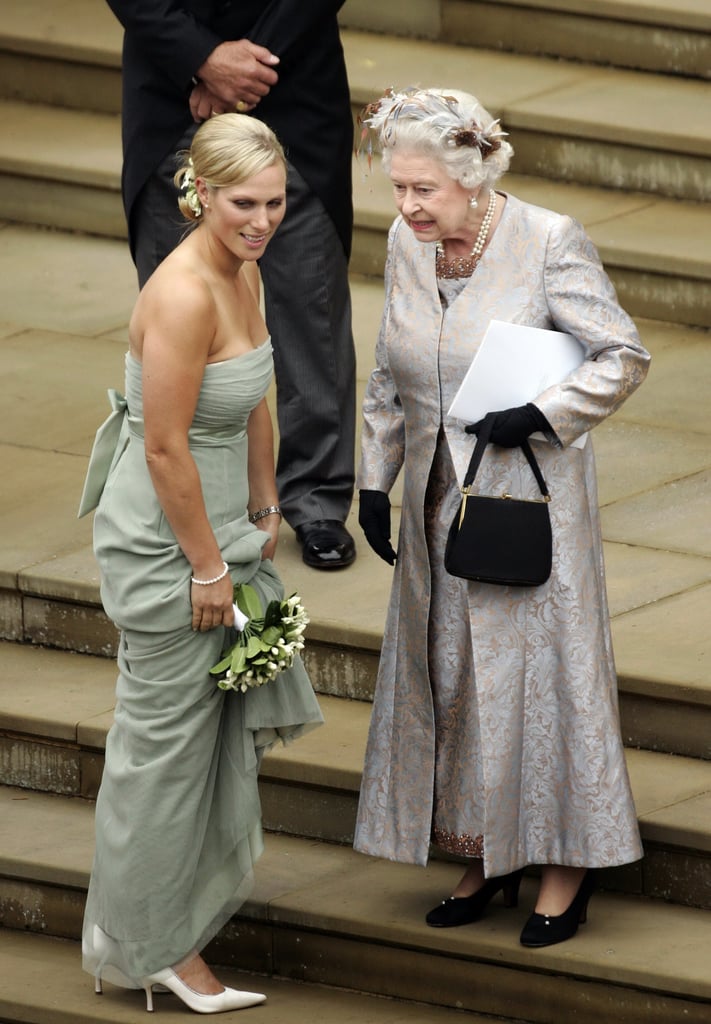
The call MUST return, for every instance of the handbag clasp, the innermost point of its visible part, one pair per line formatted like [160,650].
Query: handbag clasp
[463,506]
[509,497]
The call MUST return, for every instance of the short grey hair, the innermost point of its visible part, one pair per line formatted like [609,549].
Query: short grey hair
[451,126]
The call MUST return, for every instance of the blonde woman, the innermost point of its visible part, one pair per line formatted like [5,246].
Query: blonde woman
[187,507]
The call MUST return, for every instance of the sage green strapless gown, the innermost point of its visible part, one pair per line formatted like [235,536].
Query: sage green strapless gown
[178,819]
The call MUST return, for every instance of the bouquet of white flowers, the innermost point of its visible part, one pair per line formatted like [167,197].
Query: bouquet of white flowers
[267,643]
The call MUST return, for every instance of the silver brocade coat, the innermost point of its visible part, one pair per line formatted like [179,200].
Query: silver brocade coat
[529,767]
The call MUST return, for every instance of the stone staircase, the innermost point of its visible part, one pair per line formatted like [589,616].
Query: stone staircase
[335,936]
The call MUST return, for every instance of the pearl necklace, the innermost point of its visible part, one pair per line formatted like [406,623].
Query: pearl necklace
[464,266]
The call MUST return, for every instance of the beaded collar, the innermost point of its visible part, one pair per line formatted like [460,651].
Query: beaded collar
[464,266]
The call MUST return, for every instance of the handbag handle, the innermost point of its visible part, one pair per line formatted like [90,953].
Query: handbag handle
[482,440]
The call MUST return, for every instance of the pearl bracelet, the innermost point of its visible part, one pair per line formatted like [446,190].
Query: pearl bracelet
[215,579]
[270,510]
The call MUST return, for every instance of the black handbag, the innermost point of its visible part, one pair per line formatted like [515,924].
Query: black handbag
[501,540]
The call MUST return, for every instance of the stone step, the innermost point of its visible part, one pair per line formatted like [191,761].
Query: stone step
[660,603]
[654,249]
[56,708]
[66,55]
[569,121]
[322,913]
[71,57]
[64,344]
[43,984]
[61,168]
[663,37]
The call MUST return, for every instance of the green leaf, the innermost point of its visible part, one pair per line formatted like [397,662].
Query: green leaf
[254,646]
[221,666]
[239,660]
[271,635]
[272,616]
[247,600]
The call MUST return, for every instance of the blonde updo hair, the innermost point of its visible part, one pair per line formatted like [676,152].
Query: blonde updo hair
[226,150]
[446,124]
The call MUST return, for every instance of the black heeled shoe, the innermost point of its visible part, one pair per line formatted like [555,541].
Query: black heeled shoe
[544,930]
[456,910]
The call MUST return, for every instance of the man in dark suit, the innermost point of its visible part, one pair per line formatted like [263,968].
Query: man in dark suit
[281,61]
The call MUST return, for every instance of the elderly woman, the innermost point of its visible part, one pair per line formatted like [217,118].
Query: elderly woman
[495,731]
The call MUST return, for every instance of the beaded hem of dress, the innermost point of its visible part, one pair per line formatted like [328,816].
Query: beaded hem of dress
[464,844]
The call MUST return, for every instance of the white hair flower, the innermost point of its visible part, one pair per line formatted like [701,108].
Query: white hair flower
[189,189]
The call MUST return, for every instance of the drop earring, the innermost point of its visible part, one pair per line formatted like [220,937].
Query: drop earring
[473,202]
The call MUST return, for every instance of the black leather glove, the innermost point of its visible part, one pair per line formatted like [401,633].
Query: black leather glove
[512,426]
[374,518]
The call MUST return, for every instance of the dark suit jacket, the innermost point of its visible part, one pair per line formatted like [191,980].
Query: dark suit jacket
[165,43]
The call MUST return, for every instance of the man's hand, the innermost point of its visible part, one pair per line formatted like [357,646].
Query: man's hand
[238,72]
[204,103]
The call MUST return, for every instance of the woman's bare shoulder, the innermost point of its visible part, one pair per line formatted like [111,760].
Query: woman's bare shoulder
[181,280]
[177,299]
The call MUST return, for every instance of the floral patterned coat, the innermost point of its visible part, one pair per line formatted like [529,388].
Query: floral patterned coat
[552,774]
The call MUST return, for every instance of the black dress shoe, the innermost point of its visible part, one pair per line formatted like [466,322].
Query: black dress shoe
[458,910]
[327,544]
[544,930]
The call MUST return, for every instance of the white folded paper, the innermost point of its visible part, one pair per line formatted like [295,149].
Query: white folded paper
[241,619]
[513,365]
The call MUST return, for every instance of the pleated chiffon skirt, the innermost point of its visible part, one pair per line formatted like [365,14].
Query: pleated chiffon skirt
[178,817]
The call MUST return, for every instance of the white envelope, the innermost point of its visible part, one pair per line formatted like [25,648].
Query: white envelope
[513,366]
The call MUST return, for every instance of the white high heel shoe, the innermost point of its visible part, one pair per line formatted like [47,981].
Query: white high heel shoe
[200,1002]
[107,951]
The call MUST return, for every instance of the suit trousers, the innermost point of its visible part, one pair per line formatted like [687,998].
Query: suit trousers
[308,310]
